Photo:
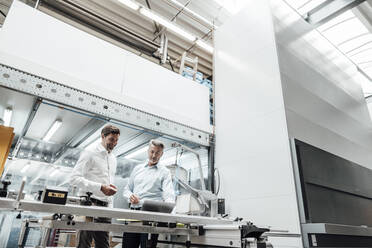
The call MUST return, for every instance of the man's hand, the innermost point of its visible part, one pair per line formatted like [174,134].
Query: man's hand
[134,199]
[109,189]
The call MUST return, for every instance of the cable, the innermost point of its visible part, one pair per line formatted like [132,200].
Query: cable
[171,65]
[2,13]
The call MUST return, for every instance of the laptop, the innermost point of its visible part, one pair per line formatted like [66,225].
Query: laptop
[158,206]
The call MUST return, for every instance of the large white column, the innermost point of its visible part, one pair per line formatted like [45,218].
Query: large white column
[252,143]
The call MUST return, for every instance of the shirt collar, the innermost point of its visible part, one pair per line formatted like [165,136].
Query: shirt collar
[100,148]
[152,166]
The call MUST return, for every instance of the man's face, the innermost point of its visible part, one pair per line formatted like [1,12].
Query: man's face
[155,154]
[110,141]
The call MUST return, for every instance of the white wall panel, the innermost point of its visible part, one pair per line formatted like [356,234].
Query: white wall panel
[44,40]
[323,98]
[252,143]
[260,207]
[164,89]
[313,133]
[286,243]
[42,45]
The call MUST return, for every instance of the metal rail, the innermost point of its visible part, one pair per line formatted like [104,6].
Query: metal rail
[115,213]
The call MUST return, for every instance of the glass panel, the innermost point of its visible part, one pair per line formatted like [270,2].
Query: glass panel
[308,6]
[360,50]
[362,57]
[337,20]
[344,31]
[356,42]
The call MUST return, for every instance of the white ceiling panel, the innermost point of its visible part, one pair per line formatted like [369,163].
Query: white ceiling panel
[45,117]
[21,105]
[347,32]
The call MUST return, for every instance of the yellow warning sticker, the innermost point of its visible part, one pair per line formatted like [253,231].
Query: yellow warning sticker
[57,195]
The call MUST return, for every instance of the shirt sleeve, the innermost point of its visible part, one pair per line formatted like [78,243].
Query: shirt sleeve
[77,176]
[128,190]
[168,190]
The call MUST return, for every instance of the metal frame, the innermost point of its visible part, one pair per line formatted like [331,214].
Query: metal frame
[201,176]
[117,213]
[329,10]
[30,118]
[27,83]
[297,180]
[197,230]
[7,204]
[326,228]
[185,59]
[219,236]
[83,134]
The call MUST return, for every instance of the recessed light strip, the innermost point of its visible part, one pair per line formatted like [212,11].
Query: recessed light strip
[7,116]
[130,4]
[56,125]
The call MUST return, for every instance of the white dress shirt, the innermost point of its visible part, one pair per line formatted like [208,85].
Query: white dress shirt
[150,183]
[94,168]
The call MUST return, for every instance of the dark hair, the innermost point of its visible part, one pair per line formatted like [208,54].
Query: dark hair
[110,129]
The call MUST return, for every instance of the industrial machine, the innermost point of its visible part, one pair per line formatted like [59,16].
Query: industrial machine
[61,208]
[185,230]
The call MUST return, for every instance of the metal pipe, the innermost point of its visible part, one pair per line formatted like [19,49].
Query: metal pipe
[97,22]
[19,196]
[194,16]
[165,50]
[175,145]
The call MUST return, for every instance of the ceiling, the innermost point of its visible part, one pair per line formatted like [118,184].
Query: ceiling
[118,24]
[350,32]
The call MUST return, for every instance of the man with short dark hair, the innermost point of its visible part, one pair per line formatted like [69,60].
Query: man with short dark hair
[148,182]
[94,172]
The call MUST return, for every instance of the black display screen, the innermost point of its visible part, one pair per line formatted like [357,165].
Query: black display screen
[334,190]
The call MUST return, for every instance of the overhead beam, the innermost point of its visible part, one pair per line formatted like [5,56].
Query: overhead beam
[30,118]
[84,133]
[329,10]
[137,141]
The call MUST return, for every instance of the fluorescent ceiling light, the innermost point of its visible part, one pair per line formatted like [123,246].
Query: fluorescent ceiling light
[136,153]
[205,46]
[167,24]
[130,4]
[7,116]
[93,144]
[56,125]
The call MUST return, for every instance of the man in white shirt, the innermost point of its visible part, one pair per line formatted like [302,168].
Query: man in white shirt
[148,182]
[94,172]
